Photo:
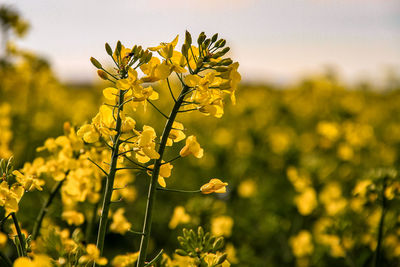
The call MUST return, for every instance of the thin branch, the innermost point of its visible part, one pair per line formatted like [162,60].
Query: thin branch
[44,209]
[137,164]
[177,190]
[170,90]
[188,110]
[171,160]
[165,116]
[135,232]
[98,166]
[155,259]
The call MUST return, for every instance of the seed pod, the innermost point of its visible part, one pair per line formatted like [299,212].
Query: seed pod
[188,38]
[96,63]
[108,49]
[102,74]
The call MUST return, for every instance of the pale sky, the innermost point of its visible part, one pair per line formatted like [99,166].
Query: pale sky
[273,41]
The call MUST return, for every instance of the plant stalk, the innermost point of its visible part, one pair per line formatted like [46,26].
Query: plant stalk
[110,179]
[19,233]
[44,209]
[151,196]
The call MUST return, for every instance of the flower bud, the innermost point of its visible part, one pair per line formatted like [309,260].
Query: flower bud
[188,38]
[199,63]
[221,69]
[207,42]
[181,252]
[226,62]
[214,38]
[185,49]
[102,74]
[108,49]
[119,47]
[201,38]
[96,63]
[222,259]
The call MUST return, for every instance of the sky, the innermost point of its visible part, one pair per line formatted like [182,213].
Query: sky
[274,41]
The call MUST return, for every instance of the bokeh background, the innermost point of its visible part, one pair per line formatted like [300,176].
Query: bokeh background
[318,112]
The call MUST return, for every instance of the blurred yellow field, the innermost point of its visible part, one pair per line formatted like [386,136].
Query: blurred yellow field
[301,174]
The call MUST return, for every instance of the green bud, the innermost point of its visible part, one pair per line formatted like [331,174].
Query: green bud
[214,38]
[221,69]
[102,74]
[201,38]
[96,63]
[222,44]
[185,49]
[148,57]
[188,38]
[199,63]
[226,62]
[108,49]
[119,47]
[170,51]
[225,50]
[207,42]
[200,232]
[218,43]
[218,244]
[181,252]
[222,258]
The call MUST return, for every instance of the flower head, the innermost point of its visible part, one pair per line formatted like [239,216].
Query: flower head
[214,185]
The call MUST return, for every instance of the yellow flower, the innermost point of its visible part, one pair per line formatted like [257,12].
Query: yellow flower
[306,202]
[9,198]
[192,147]
[3,240]
[146,145]
[165,172]
[247,188]
[212,259]
[214,185]
[89,133]
[176,133]
[179,216]
[165,49]
[222,226]
[155,70]
[125,260]
[73,217]
[93,254]
[39,260]
[302,244]
[120,224]
[28,182]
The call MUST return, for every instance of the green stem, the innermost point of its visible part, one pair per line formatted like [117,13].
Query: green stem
[110,180]
[153,183]
[19,233]
[44,209]
[380,229]
[177,190]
